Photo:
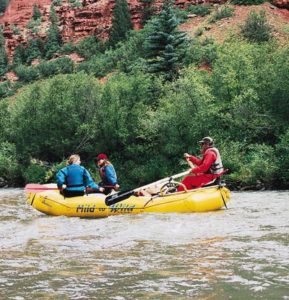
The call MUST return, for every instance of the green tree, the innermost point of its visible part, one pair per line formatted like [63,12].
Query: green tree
[34,50]
[3,5]
[36,12]
[282,149]
[19,55]
[278,101]
[241,83]
[53,40]
[256,28]
[3,56]
[53,16]
[148,11]
[165,44]
[121,22]
[53,118]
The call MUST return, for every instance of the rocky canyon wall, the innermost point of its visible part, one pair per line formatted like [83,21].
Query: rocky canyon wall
[94,17]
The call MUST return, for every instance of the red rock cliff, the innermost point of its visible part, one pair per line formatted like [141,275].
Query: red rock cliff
[94,17]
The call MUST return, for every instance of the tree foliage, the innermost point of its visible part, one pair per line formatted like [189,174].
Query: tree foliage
[256,28]
[165,43]
[36,12]
[145,123]
[121,22]
[3,56]
[53,40]
[3,5]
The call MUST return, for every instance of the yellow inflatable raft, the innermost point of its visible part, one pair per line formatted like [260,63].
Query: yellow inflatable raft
[51,202]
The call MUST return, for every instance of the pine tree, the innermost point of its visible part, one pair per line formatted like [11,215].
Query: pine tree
[36,13]
[53,17]
[3,56]
[165,44]
[3,5]
[53,41]
[34,50]
[19,56]
[121,22]
[148,11]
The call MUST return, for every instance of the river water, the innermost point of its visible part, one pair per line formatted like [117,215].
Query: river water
[239,253]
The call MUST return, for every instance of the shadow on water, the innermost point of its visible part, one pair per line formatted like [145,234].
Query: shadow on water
[237,253]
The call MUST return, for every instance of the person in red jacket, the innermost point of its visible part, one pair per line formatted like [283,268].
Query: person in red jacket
[204,170]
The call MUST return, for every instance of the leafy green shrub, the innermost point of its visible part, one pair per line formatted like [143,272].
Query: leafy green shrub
[33,25]
[15,29]
[99,65]
[57,2]
[248,2]
[26,74]
[67,48]
[20,55]
[5,89]
[9,167]
[201,52]
[41,172]
[34,50]
[40,125]
[63,65]
[36,12]
[256,29]
[252,166]
[200,10]
[260,165]
[199,31]
[181,14]
[34,173]
[282,150]
[3,5]
[88,47]
[222,12]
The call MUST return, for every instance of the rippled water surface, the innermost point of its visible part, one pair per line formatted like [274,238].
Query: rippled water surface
[239,253]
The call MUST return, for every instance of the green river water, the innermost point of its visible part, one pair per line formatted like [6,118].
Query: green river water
[239,253]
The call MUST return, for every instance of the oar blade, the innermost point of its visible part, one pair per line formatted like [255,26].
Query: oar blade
[115,198]
[35,187]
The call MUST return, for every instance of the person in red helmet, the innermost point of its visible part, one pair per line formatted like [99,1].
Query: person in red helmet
[205,169]
[107,173]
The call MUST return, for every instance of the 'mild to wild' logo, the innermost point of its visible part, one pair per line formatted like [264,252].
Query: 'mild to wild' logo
[124,208]
[121,208]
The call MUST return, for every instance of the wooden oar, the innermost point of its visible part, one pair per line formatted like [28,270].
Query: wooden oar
[120,196]
[35,187]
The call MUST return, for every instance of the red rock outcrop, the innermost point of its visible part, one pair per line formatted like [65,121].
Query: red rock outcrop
[19,12]
[281,3]
[93,18]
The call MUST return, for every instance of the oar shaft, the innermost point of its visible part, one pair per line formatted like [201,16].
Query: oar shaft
[115,198]
[162,180]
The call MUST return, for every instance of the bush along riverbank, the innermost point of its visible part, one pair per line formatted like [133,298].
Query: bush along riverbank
[145,108]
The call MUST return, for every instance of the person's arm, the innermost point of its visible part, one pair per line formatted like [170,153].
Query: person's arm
[88,181]
[209,159]
[60,178]
[111,175]
[191,159]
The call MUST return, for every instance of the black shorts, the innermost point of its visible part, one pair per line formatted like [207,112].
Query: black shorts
[69,194]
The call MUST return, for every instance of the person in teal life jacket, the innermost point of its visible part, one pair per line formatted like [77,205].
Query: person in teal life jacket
[205,169]
[107,174]
[76,178]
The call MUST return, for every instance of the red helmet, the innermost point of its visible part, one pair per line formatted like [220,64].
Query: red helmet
[101,156]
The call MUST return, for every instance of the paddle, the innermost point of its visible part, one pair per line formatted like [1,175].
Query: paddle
[120,196]
[35,187]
